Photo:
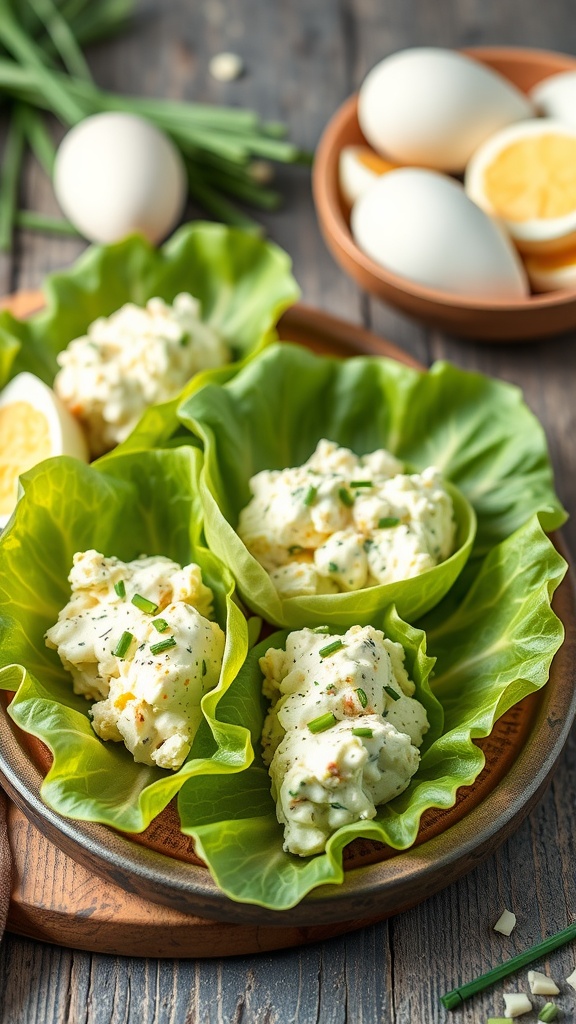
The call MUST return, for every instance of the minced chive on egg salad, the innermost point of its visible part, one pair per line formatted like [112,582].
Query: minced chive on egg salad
[138,641]
[342,733]
[342,523]
[137,357]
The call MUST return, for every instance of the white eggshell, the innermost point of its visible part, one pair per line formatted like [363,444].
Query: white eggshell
[421,225]
[433,107]
[116,174]
[556,97]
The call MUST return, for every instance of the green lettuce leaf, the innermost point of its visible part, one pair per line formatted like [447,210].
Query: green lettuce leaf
[243,284]
[491,652]
[145,504]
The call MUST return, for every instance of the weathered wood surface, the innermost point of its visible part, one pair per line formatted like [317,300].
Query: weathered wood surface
[302,59]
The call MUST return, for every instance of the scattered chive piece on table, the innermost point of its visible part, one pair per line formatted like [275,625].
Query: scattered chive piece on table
[123,645]
[322,723]
[310,496]
[458,995]
[320,629]
[362,731]
[361,694]
[392,693]
[360,483]
[164,645]
[160,624]
[120,588]
[345,497]
[516,1004]
[387,521]
[336,645]
[144,604]
[548,1012]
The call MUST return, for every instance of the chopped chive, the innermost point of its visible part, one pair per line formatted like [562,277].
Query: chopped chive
[362,731]
[322,723]
[548,1012]
[338,807]
[185,340]
[345,497]
[123,645]
[360,483]
[336,645]
[456,996]
[164,645]
[361,694]
[332,567]
[392,693]
[160,624]
[204,668]
[294,548]
[144,604]
[368,544]
[320,629]
[387,521]
[310,496]
[120,588]
[498,1020]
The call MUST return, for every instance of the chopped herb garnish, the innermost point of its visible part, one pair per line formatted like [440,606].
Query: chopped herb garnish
[332,567]
[204,668]
[310,496]
[320,629]
[361,694]
[294,548]
[336,645]
[548,1012]
[338,807]
[123,645]
[120,588]
[345,497]
[367,544]
[160,624]
[144,604]
[392,693]
[362,731]
[185,339]
[387,521]
[164,645]
[322,723]
[360,483]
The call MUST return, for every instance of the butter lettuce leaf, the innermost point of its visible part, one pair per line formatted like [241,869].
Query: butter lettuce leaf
[493,650]
[145,504]
[477,431]
[243,284]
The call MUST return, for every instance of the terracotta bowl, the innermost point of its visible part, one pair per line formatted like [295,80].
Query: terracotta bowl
[524,320]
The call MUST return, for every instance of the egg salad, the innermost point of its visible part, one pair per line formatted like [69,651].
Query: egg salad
[343,731]
[342,522]
[137,639]
[136,357]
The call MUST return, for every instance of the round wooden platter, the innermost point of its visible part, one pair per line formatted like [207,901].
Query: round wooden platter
[86,886]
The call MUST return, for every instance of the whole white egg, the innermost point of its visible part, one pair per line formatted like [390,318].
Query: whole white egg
[116,174]
[422,225]
[556,97]
[433,107]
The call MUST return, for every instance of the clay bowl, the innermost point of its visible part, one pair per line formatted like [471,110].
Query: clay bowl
[527,319]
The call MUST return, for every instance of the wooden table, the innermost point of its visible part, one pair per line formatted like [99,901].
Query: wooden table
[303,57]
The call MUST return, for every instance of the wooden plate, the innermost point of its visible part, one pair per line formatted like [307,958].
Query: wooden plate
[160,864]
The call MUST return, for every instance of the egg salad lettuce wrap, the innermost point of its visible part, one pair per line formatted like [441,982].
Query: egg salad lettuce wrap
[136,505]
[477,432]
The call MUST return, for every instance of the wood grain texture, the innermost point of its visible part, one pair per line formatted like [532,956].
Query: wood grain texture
[303,58]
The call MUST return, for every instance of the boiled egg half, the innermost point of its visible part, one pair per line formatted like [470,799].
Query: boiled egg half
[34,425]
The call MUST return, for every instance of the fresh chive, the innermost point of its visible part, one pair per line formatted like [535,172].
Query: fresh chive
[392,693]
[294,548]
[39,139]
[360,483]
[345,497]
[362,731]
[33,221]
[204,669]
[387,521]
[457,996]
[498,1020]
[120,588]
[548,1012]
[361,694]
[336,645]
[10,180]
[310,496]
[164,645]
[144,604]
[332,567]
[322,723]
[368,544]
[160,624]
[338,807]
[123,645]
[320,629]
[63,38]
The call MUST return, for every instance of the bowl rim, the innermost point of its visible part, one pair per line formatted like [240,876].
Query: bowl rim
[329,206]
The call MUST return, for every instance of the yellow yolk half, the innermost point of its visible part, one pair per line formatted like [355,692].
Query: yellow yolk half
[525,175]
[359,167]
[24,441]
[550,271]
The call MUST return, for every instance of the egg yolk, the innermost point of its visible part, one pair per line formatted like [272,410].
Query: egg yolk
[24,441]
[533,178]
[553,260]
[374,162]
